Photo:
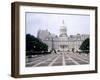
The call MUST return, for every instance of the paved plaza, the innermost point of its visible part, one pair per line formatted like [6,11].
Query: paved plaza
[59,59]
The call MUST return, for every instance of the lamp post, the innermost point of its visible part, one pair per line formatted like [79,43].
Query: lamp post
[52,45]
[63,48]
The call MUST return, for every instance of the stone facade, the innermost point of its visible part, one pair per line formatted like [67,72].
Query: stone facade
[63,42]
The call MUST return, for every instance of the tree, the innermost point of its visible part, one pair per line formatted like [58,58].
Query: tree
[85,46]
[34,45]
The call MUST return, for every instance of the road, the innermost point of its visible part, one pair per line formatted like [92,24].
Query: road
[59,59]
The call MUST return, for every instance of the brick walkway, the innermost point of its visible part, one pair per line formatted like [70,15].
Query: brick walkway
[59,59]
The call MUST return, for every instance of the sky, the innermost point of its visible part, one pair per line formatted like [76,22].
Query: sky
[75,24]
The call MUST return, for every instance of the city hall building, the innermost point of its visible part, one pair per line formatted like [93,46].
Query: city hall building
[63,42]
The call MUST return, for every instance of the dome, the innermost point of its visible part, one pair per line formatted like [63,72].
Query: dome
[63,31]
